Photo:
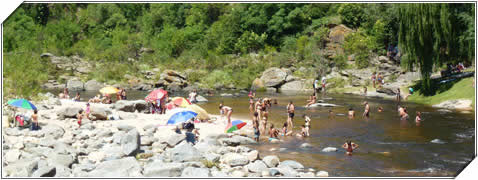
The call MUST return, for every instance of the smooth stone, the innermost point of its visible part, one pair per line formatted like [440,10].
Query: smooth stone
[329,149]
[271,161]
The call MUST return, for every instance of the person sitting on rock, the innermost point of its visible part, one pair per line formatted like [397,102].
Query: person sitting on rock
[312,100]
[273,133]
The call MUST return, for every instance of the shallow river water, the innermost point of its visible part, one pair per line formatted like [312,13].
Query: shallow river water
[440,146]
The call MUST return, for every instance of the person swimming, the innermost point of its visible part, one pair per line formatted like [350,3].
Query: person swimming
[349,146]
[351,113]
[366,112]
[380,109]
[331,114]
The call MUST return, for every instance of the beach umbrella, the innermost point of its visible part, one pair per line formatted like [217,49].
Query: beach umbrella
[235,125]
[170,106]
[22,103]
[180,101]
[109,90]
[174,111]
[155,95]
[202,114]
[180,117]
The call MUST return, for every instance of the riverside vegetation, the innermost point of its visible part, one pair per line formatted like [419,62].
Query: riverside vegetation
[229,45]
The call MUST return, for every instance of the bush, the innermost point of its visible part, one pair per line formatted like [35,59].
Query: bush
[360,44]
[24,73]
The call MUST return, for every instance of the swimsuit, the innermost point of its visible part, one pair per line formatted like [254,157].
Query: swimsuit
[291,115]
[256,133]
[349,148]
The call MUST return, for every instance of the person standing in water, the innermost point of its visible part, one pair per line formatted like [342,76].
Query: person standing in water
[290,113]
[418,119]
[306,125]
[366,112]
[374,79]
[349,146]
[226,110]
[251,105]
[398,95]
[192,96]
[323,84]
[316,85]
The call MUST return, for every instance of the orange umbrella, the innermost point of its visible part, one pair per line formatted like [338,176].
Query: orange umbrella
[180,102]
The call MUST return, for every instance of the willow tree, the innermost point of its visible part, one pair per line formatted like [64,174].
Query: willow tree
[425,35]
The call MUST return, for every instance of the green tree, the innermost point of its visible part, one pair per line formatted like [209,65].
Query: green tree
[352,14]
[425,35]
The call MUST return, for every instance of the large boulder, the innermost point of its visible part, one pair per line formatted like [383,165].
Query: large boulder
[75,85]
[12,155]
[21,168]
[130,143]
[336,40]
[200,98]
[184,152]
[257,84]
[160,169]
[45,171]
[455,104]
[130,106]
[257,166]
[235,159]
[100,113]
[69,111]
[60,160]
[292,164]
[195,172]
[93,85]
[293,86]
[175,139]
[126,167]
[274,77]
[271,161]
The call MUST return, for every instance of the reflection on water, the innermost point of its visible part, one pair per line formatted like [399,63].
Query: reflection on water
[388,146]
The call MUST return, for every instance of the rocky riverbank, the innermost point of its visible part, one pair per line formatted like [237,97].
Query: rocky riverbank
[137,145]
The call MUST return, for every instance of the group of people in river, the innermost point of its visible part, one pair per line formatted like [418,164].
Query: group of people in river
[105,98]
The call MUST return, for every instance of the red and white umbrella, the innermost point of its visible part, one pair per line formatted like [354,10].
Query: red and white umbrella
[155,95]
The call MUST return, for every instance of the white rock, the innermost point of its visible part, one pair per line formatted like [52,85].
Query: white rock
[329,149]
[322,174]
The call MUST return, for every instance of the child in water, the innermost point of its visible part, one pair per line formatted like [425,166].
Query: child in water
[418,119]
[303,132]
[307,125]
[255,125]
[273,133]
[351,113]
[284,130]
[349,146]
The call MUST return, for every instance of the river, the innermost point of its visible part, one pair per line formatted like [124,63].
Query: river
[442,145]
